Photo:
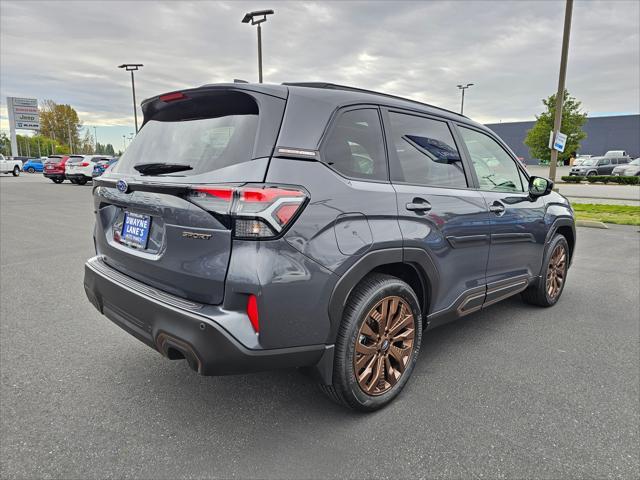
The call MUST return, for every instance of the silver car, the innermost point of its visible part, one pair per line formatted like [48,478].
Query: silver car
[629,170]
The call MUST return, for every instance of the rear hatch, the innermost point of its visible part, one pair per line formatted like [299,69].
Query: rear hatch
[163,208]
[75,164]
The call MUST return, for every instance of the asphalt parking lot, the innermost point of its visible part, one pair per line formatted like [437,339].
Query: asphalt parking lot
[514,391]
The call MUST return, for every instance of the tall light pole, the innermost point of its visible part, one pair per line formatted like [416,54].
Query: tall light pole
[132,67]
[256,18]
[95,137]
[463,88]
[560,94]
[124,145]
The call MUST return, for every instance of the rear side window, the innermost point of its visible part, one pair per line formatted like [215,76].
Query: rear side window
[354,146]
[206,134]
[426,151]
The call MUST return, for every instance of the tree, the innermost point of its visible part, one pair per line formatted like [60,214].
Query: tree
[61,123]
[572,121]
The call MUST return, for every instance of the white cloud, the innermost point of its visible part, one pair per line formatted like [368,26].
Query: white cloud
[68,51]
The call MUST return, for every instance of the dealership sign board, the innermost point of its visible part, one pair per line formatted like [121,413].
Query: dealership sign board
[24,112]
[23,115]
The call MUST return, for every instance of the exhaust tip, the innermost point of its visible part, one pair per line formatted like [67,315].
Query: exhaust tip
[176,349]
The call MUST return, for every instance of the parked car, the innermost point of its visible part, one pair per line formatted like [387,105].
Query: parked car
[629,170]
[249,227]
[33,165]
[54,168]
[598,166]
[616,153]
[100,166]
[580,159]
[79,168]
[12,166]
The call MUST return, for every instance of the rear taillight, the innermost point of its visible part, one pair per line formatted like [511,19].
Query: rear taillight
[258,211]
[84,164]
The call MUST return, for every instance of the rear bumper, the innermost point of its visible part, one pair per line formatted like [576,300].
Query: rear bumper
[54,175]
[174,327]
[77,176]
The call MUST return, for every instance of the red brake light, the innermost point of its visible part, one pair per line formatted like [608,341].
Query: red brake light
[171,97]
[262,195]
[258,211]
[85,164]
[252,312]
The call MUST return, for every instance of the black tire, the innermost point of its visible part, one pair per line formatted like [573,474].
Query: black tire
[538,293]
[74,181]
[57,180]
[345,389]
[591,174]
[31,170]
[16,171]
[81,181]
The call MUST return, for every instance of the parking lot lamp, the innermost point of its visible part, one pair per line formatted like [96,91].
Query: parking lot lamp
[463,88]
[132,67]
[256,18]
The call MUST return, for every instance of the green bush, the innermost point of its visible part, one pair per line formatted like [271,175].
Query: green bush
[572,179]
[615,179]
[629,180]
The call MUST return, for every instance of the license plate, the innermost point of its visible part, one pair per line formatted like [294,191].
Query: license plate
[135,230]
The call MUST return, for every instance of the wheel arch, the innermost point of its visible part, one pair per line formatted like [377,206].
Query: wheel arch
[413,266]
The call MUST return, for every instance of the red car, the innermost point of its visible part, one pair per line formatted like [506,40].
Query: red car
[54,168]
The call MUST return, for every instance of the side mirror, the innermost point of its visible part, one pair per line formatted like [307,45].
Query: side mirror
[539,186]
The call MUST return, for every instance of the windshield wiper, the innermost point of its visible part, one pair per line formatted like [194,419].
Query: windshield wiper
[161,168]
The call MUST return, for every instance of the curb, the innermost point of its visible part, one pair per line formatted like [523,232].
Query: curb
[590,224]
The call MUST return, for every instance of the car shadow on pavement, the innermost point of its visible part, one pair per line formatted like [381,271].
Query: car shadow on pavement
[286,393]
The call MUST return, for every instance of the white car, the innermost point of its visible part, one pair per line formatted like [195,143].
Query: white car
[10,166]
[79,168]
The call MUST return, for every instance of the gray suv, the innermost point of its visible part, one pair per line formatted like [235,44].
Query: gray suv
[251,227]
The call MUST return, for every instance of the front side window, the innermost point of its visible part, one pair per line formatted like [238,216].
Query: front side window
[604,161]
[426,152]
[495,168]
[355,147]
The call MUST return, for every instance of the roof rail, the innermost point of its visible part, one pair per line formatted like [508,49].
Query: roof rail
[334,86]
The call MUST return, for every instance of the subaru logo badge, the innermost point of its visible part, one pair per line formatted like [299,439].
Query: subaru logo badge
[122,186]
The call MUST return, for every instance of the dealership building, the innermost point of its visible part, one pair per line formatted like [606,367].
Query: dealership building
[620,132]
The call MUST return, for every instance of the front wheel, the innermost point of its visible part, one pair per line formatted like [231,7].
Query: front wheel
[16,171]
[591,174]
[31,170]
[377,344]
[547,290]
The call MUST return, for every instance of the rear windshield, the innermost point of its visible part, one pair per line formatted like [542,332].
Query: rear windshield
[205,144]
[75,158]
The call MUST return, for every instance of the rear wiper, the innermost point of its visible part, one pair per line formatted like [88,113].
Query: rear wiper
[161,168]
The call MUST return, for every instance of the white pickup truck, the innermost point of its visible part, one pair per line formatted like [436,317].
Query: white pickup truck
[10,166]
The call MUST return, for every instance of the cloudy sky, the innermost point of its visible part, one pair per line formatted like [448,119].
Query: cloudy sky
[68,51]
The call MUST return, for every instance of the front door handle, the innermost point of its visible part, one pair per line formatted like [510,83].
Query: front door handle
[497,208]
[418,205]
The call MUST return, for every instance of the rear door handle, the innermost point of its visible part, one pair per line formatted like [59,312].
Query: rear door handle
[497,208]
[418,205]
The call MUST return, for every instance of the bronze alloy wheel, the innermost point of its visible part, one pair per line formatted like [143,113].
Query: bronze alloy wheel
[556,271]
[384,345]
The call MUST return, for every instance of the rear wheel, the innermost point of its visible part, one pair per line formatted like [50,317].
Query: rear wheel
[546,292]
[74,181]
[81,181]
[377,345]
[57,180]
[16,171]
[31,170]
